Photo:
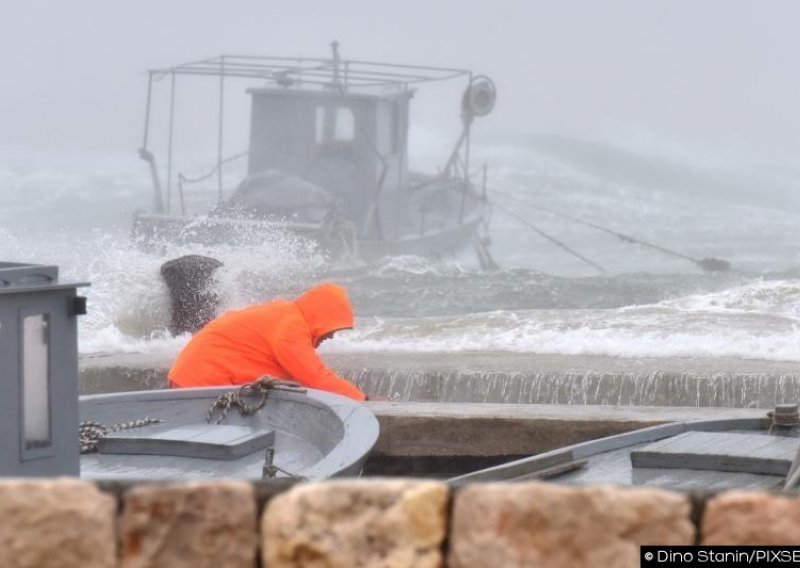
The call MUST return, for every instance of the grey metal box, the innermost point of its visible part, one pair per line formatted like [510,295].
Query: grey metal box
[38,371]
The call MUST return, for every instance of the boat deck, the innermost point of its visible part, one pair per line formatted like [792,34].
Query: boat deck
[706,455]
[615,468]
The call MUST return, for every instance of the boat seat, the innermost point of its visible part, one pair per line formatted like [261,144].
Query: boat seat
[207,441]
[720,451]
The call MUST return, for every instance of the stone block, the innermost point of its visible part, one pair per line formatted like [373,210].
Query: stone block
[538,524]
[57,523]
[750,518]
[195,524]
[345,524]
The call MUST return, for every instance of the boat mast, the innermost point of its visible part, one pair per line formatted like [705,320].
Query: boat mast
[147,155]
[169,142]
[467,116]
[336,61]
[220,124]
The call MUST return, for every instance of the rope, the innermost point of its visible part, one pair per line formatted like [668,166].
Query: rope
[708,264]
[550,238]
[203,177]
[259,389]
[91,432]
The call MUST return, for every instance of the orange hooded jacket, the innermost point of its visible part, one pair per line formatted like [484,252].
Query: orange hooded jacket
[276,339]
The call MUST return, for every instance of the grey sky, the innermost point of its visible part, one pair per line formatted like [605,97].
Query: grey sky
[720,76]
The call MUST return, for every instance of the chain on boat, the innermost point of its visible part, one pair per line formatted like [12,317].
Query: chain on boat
[90,432]
[259,390]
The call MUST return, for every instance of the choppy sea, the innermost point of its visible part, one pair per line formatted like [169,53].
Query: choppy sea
[77,214]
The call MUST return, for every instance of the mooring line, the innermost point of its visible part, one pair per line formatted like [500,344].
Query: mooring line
[710,264]
[549,237]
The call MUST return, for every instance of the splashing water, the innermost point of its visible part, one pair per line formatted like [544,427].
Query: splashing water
[539,302]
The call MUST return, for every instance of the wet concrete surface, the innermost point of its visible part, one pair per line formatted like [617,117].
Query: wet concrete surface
[478,377]
[445,437]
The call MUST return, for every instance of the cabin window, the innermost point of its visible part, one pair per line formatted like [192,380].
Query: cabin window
[345,125]
[36,410]
[334,126]
[320,124]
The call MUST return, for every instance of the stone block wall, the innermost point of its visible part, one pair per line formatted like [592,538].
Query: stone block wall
[68,523]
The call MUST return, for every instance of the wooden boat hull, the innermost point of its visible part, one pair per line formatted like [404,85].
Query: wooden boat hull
[619,459]
[317,434]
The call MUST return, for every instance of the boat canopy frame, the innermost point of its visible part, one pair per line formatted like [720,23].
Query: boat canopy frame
[348,74]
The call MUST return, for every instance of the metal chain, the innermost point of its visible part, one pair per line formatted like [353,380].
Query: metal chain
[259,389]
[270,470]
[91,432]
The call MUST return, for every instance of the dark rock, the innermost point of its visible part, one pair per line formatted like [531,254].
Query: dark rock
[193,300]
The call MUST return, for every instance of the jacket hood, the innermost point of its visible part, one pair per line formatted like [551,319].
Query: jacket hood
[325,308]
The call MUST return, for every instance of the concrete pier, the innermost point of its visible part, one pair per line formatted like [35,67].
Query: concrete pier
[445,439]
[514,378]
[421,435]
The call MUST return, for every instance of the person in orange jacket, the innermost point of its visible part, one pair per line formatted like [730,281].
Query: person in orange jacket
[278,339]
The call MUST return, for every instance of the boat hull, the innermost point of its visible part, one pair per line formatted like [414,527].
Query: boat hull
[613,460]
[317,434]
[152,230]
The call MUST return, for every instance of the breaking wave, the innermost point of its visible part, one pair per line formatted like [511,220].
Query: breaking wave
[541,301]
[658,330]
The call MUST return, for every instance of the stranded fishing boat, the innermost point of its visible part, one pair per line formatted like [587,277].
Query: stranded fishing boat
[754,453]
[327,159]
[266,429]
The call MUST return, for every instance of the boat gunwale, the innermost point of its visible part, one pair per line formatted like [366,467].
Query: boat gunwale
[346,456]
[469,224]
[591,448]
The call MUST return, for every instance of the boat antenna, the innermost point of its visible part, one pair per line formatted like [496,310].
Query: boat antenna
[336,61]
[550,238]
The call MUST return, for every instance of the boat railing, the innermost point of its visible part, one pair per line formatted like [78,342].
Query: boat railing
[185,180]
[320,72]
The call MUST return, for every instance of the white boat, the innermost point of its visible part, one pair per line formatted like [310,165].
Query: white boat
[173,434]
[745,453]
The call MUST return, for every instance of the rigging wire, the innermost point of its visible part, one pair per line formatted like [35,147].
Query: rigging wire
[553,240]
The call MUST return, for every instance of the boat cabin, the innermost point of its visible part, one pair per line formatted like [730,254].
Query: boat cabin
[349,144]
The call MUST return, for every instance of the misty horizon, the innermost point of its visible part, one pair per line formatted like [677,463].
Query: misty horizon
[712,79]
